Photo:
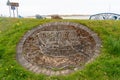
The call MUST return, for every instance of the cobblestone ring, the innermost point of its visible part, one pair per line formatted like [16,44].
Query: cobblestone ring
[57,48]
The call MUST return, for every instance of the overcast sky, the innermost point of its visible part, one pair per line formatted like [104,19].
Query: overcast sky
[44,7]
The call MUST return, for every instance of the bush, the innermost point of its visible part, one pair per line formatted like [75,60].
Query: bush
[38,16]
[55,17]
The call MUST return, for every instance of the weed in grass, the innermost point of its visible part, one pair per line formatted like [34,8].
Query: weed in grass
[104,31]
[113,45]
[114,28]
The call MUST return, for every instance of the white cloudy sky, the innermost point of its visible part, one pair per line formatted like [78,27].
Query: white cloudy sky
[44,7]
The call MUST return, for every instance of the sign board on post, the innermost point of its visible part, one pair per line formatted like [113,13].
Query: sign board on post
[14,4]
[13,7]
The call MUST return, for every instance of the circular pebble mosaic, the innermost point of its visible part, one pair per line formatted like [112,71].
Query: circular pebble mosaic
[58,48]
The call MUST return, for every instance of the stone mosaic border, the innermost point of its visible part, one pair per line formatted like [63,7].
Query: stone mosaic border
[36,69]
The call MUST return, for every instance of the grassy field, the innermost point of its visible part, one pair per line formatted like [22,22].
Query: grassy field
[105,67]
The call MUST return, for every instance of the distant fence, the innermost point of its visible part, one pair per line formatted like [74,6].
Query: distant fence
[105,16]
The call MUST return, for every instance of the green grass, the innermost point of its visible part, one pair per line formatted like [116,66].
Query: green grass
[105,67]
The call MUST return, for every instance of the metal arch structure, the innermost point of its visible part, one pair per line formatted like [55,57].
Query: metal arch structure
[105,16]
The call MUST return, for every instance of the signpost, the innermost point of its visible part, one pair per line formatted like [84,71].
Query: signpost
[13,6]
